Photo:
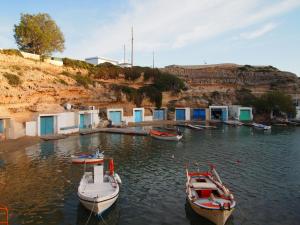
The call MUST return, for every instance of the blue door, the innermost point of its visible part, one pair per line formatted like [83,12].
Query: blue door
[199,114]
[180,114]
[1,126]
[115,117]
[47,125]
[159,114]
[224,115]
[82,121]
[138,116]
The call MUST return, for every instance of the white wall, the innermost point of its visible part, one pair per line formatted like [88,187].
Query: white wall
[30,129]
[16,130]
[148,118]
[298,112]
[68,120]
[98,60]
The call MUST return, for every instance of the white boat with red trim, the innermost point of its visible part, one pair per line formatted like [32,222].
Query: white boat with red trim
[84,158]
[167,136]
[97,190]
[208,196]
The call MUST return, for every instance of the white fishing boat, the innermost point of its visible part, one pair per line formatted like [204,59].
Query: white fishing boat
[261,126]
[97,190]
[208,196]
[165,135]
[206,126]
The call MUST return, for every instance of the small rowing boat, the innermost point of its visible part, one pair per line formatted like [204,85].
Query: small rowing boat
[233,123]
[85,158]
[99,190]
[208,196]
[195,127]
[165,135]
[261,126]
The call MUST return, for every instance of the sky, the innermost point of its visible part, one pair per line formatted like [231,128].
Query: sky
[185,32]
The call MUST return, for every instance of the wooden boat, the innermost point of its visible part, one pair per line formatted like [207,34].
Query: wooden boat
[165,135]
[206,126]
[208,196]
[195,127]
[233,123]
[85,158]
[261,126]
[97,190]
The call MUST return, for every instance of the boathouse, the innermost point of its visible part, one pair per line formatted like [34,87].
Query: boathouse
[47,124]
[88,118]
[138,115]
[4,128]
[218,112]
[297,113]
[199,114]
[182,114]
[240,113]
[115,115]
[159,114]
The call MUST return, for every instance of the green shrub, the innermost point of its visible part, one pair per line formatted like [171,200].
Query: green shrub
[11,52]
[67,74]
[78,64]
[106,71]
[62,81]
[12,79]
[83,80]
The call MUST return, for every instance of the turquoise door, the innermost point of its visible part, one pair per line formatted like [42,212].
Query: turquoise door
[180,114]
[115,117]
[1,126]
[159,114]
[82,121]
[138,116]
[47,125]
[224,115]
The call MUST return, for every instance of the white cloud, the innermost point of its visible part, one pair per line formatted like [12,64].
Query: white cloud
[259,32]
[165,24]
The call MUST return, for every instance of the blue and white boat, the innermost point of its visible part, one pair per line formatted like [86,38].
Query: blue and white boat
[261,126]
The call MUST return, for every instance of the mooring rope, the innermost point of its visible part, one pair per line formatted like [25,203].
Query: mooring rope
[91,211]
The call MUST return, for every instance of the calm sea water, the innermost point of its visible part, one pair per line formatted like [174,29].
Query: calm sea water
[39,184]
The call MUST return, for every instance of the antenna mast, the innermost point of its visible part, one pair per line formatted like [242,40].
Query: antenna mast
[153,59]
[124,58]
[132,46]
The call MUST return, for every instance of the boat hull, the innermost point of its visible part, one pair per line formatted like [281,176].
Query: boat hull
[218,217]
[98,207]
[87,161]
[173,138]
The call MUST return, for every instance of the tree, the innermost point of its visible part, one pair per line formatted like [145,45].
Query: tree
[276,102]
[38,34]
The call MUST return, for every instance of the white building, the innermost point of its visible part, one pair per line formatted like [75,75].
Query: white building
[62,123]
[98,60]
[218,112]
[240,113]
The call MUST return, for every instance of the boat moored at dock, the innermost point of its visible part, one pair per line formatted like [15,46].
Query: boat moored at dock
[261,126]
[167,136]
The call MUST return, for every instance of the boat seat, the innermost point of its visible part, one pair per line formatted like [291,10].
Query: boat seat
[202,185]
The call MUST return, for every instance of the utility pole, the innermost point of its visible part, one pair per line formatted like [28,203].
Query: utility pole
[153,59]
[132,46]
[124,58]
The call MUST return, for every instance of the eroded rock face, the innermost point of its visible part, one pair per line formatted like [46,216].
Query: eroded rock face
[226,77]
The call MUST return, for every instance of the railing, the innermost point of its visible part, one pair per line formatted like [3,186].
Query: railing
[3,215]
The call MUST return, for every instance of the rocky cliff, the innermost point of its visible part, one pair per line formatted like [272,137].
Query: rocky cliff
[222,80]
[28,87]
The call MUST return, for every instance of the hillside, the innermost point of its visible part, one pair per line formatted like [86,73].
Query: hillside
[28,87]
